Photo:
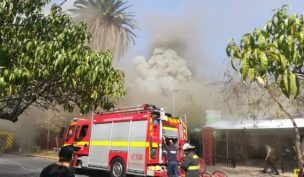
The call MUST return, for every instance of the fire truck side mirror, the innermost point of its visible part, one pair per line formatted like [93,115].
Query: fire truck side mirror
[61,132]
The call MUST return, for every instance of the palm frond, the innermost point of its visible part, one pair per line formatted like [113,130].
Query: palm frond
[111,26]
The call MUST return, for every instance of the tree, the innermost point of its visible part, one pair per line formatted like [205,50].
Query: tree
[274,56]
[44,61]
[244,100]
[111,26]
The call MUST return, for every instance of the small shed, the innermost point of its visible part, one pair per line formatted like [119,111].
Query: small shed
[244,140]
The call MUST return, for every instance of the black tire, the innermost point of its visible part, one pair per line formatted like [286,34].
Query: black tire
[79,170]
[118,168]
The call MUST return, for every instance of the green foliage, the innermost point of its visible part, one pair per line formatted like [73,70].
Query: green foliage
[276,51]
[44,60]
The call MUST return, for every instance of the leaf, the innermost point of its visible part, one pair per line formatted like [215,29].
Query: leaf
[2,82]
[261,42]
[228,48]
[284,61]
[5,73]
[74,82]
[268,27]
[294,85]
[264,62]
[285,85]
[94,95]
[232,63]
[281,41]
[244,68]
[251,74]
[59,60]
[290,43]
[261,81]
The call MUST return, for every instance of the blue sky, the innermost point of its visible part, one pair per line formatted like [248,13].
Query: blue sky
[214,23]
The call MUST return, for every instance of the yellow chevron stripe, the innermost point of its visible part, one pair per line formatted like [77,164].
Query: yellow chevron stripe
[9,139]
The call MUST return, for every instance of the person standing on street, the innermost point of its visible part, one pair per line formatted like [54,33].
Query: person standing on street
[172,162]
[191,162]
[62,168]
[269,161]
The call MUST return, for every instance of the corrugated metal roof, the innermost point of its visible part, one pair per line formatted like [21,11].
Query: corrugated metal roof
[255,124]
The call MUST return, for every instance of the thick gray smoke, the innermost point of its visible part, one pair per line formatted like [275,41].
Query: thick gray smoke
[170,73]
[163,73]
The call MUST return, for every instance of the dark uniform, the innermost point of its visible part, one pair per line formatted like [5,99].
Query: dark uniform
[172,160]
[56,170]
[191,165]
[60,169]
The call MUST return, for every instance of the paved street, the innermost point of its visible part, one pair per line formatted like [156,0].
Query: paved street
[245,171]
[21,166]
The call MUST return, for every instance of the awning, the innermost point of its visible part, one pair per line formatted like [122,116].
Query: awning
[255,124]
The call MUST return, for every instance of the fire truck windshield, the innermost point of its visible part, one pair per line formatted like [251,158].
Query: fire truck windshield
[83,132]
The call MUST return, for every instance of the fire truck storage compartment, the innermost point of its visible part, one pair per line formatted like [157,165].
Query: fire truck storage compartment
[170,131]
[124,137]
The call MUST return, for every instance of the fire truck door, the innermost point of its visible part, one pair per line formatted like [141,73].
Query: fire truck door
[100,145]
[138,136]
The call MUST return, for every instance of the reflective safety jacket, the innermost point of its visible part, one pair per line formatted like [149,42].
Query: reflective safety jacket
[191,165]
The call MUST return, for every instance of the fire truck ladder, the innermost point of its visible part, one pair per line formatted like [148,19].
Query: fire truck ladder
[138,108]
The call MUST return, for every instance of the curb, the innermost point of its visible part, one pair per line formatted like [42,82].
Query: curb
[41,156]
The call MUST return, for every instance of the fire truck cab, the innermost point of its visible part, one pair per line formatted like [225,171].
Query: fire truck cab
[125,141]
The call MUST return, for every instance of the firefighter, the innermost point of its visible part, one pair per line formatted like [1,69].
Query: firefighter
[62,168]
[269,161]
[191,162]
[171,153]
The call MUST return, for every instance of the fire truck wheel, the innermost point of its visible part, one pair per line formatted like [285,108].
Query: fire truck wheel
[118,168]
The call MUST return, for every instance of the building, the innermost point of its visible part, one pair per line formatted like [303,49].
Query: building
[242,142]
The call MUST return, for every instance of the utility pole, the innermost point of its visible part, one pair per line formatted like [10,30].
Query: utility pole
[173,100]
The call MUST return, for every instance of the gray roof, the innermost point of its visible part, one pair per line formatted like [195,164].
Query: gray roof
[255,124]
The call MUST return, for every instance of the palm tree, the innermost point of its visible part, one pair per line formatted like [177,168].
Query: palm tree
[108,22]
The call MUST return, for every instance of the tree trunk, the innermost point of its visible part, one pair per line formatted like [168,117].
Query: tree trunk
[48,139]
[297,143]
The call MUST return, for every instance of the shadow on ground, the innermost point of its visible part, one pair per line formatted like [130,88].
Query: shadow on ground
[94,173]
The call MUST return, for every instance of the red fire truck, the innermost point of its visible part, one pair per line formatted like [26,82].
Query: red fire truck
[125,141]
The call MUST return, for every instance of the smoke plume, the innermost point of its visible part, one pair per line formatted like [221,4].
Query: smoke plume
[163,73]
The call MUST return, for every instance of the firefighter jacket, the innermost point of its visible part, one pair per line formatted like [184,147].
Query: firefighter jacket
[191,165]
